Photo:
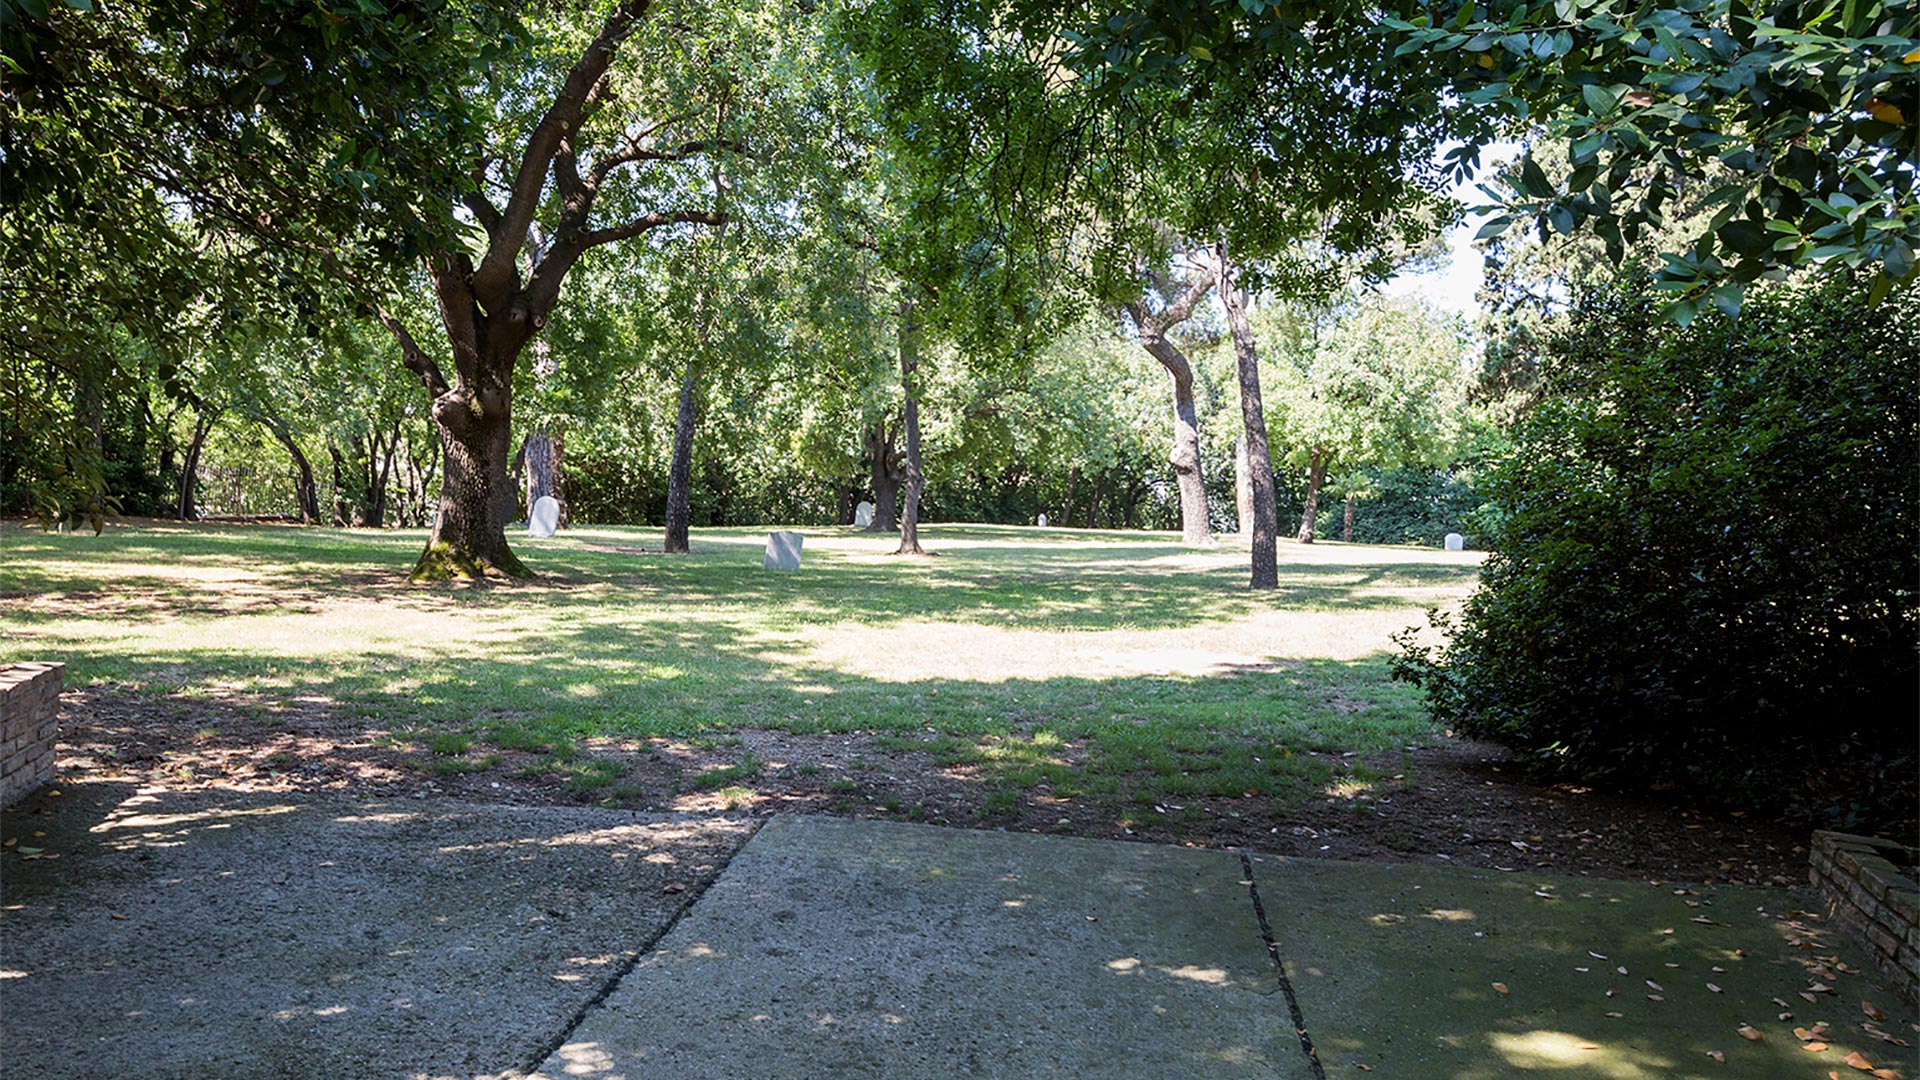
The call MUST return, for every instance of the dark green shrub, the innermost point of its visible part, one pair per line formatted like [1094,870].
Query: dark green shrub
[1705,560]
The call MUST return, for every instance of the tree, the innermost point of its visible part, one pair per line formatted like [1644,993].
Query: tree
[1174,304]
[1374,383]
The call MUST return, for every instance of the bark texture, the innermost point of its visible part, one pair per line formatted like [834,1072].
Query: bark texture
[1153,326]
[1346,525]
[1242,486]
[680,474]
[1266,561]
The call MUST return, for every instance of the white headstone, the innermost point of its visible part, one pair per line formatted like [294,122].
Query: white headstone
[1456,542]
[863,515]
[783,550]
[545,517]
[1042,521]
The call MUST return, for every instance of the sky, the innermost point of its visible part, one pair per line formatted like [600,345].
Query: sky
[1451,286]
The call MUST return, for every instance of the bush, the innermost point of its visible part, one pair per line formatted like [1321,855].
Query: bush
[1704,560]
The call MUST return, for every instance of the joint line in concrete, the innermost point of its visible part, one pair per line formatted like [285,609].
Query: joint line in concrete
[691,897]
[1280,971]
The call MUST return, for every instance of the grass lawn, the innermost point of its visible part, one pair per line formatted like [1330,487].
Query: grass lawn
[1106,667]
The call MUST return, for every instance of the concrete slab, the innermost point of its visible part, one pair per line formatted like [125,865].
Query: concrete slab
[873,949]
[209,935]
[1395,966]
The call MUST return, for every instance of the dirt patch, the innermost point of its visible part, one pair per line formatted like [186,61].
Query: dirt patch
[1454,802]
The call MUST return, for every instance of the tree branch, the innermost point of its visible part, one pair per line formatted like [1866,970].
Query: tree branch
[649,222]
[493,281]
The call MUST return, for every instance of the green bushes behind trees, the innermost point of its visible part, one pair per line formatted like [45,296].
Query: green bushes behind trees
[1705,559]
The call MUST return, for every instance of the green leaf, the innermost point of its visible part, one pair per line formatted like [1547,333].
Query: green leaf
[1495,226]
[1599,100]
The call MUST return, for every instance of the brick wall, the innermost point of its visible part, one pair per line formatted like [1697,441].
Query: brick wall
[1867,887]
[29,716]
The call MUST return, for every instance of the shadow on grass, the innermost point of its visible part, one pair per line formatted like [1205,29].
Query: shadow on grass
[989,576]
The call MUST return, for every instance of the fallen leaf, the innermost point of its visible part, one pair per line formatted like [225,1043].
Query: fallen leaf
[674,887]
[1751,1034]
[1502,987]
[11,840]
[1655,997]
[1718,968]
[1595,955]
[1364,1068]
[1802,1034]
[1622,969]
[1873,1013]
[1813,1047]
[1703,920]
[1782,1002]
[1859,1062]
[31,850]
[1809,997]
[1786,1016]
[1616,1016]
[1884,1074]
[1582,970]
[1713,988]
[1717,1056]
[1668,930]
[1655,985]
[117,915]
[1820,988]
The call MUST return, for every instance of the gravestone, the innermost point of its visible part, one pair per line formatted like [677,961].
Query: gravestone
[1042,521]
[1456,542]
[545,517]
[863,515]
[783,550]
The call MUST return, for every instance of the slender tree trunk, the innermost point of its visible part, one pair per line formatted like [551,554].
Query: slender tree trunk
[190,467]
[379,477]
[1346,526]
[915,479]
[1265,556]
[1242,486]
[340,502]
[1066,509]
[680,475]
[306,493]
[1195,528]
[1316,475]
[1099,491]
[844,498]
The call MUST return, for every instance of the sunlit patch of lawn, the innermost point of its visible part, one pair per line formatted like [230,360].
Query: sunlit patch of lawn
[1113,666]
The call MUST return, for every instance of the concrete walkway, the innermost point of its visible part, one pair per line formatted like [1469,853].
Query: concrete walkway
[869,949]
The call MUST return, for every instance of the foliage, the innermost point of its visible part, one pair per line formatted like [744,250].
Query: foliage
[1374,382]
[1704,559]
[1813,108]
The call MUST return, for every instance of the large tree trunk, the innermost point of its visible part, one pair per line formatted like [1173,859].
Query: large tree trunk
[190,468]
[845,499]
[887,472]
[1265,554]
[680,474]
[1316,475]
[469,536]
[1242,486]
[915,479]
